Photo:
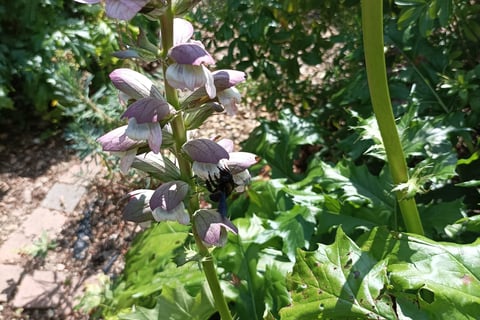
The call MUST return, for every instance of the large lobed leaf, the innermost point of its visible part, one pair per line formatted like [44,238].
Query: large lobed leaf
[177,304]
[338,281]
[150,267]
[391,276]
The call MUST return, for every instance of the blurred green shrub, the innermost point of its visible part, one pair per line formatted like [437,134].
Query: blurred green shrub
[38,40]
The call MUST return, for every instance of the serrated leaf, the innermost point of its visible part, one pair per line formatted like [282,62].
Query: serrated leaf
[177,304]
[277,141]
[362,194]
[295,228]
[149,266]
[338,281]
[441,278]
[276,293]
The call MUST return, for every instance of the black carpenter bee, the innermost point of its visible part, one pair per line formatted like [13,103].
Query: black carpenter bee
[220,187]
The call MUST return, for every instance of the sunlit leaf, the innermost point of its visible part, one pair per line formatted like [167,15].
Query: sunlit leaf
[338,281]
[177,304]
[441,278]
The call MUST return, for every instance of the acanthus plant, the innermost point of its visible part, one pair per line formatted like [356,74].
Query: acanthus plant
[157,131]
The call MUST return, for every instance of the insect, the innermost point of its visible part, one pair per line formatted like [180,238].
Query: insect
[220,187]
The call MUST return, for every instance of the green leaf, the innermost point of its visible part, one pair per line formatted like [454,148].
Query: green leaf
[362,194]
[442,279]
[277,141]
[338,281]
[437,216]
[177,304]
[470,223]
[295,228]
[149,266]
[267,198]
[276,293]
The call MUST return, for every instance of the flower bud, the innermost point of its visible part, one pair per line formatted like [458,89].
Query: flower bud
[157,165]
[212,227]
[123,10]
[134,84]
[226,78]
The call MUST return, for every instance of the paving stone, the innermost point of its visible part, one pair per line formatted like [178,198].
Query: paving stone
[9,277]
[40,290]
[82,173]
[63,197]
[39,221]
[44,220]
[10,249]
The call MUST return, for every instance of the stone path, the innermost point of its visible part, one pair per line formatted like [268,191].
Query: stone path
[44,289]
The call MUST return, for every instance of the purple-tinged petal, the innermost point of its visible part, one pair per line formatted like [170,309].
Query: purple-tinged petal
[227,78]
[155,137]
[178,214]
[117,141]
[124,9]
[137,131]
[182,31]
[169,195]
[138,208]
[190,53]
[209,83]
[152,132]
[184,76]
[212,227]
[230,98]
[134,84]
[127,159]
[147,110]
[88,1]
[205,150]
[240,161]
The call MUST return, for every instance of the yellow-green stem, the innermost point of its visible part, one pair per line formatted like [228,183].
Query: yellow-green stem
[372,25]
[180,136]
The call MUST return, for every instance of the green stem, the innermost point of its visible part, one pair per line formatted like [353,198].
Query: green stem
[180,137]
[372,24]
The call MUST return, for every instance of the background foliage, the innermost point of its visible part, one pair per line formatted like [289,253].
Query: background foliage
[55,57]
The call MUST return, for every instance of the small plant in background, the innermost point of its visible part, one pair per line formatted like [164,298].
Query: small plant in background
[41,246]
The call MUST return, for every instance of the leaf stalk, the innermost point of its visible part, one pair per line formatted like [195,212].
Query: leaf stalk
[372,25]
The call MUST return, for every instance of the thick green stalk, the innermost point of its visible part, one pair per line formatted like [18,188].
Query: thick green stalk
[372,24]
[180,137]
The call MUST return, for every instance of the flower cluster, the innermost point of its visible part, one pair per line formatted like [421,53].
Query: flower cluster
[140,143]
